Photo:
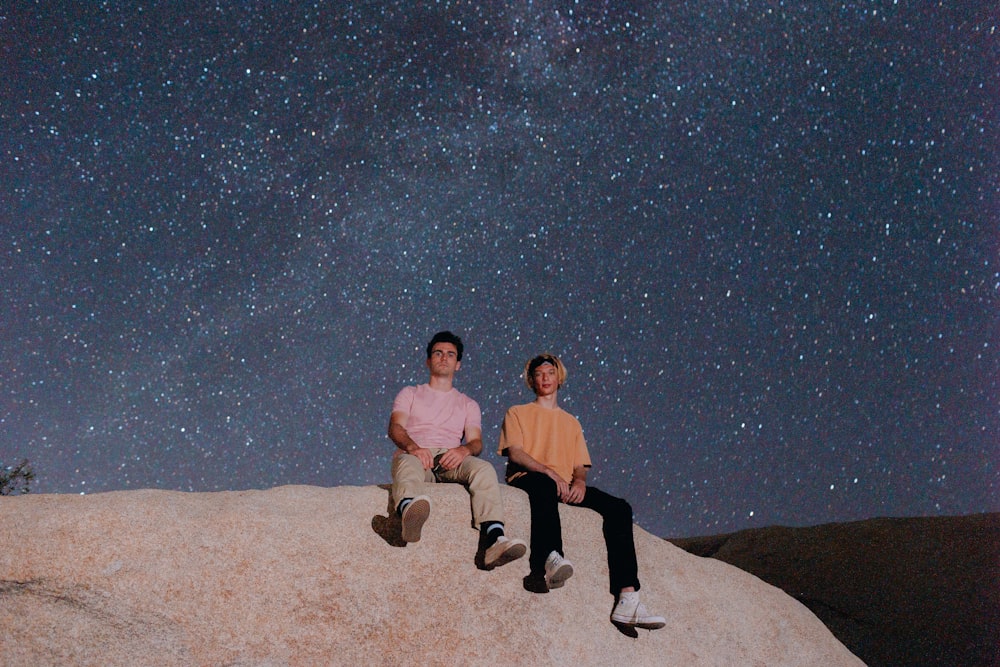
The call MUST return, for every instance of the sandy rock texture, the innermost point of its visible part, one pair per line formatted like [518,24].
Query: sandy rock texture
[302,575]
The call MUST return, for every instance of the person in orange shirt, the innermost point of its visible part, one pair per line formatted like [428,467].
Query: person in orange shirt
[547,458]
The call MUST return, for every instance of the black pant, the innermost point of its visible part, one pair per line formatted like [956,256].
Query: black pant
[546,528]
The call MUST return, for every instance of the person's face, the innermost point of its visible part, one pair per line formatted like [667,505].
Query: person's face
[545,380]
[444,361]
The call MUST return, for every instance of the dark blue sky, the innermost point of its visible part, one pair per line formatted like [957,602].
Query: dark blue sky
[765,238]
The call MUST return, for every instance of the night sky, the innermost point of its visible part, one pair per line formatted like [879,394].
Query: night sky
[763,236]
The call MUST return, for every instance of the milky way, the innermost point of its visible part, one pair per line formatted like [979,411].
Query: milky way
[764,237]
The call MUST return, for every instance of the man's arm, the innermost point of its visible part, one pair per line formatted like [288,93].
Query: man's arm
[577,487]
[474,440]
[402,439]
[526,461]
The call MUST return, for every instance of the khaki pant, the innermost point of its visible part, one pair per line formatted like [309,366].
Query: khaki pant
[409,476]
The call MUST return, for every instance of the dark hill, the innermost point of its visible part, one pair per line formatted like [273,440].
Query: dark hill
[913,591]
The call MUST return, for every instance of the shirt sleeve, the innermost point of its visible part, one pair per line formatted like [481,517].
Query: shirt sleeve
[473,415]
[582,454]
[510,432]
[404,400]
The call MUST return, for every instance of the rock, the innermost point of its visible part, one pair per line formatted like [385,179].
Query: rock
[315,576]
[913,591]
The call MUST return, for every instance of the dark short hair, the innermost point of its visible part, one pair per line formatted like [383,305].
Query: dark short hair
[445,337]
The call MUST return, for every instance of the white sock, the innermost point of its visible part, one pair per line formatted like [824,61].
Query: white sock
[494,527]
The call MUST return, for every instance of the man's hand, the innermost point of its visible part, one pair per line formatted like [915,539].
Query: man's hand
[577,490]
[453,458]
[402,439]
[425,456]
[562,488]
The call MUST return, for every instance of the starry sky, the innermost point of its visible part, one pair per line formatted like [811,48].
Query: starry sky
[763,236]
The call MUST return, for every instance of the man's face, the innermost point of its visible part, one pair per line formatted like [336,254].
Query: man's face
[545,380]
[443,361]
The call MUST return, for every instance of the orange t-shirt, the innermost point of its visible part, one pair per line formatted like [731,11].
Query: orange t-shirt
[553,437]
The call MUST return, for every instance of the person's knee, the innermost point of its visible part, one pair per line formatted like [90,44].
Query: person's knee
[407,466]
[535,484]
[544,485]
[478,466]
[403,461]
[479,472]
[622,510]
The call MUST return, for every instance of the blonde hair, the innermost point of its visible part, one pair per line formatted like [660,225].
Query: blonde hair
[533,364]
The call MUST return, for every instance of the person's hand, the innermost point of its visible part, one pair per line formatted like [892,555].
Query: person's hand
[453,458]
[577,490]
[562,488]
[425,456]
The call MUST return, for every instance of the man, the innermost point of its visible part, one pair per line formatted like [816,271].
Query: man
[428,425]
[548,459]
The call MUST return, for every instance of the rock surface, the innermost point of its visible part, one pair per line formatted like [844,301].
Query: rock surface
[915,591]
[315,576]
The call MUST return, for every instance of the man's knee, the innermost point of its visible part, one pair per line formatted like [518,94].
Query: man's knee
[479,470]
[407,468]
[621,510]
[404,462]
[537,483]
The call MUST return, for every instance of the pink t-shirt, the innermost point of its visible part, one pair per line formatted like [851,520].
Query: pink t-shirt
[437,419]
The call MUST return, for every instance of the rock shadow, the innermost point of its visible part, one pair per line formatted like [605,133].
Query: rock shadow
[626,630]
[388,526]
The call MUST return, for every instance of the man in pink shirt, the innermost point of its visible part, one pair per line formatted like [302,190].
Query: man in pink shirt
[428,424]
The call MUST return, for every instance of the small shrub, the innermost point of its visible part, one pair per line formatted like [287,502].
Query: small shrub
[15,480]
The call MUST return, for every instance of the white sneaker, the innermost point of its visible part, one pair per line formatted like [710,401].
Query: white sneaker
[414,516]
[632,613]
[557,570]
[503,551]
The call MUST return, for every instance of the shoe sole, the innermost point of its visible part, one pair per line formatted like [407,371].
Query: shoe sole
[650,626]
[515,549]
[414,516]
[653,625]
[559,577]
